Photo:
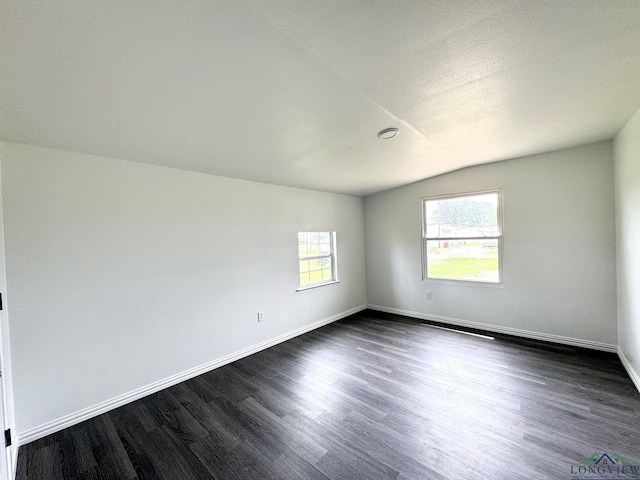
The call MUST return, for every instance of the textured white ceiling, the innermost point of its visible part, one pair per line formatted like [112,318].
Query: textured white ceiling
[293,92]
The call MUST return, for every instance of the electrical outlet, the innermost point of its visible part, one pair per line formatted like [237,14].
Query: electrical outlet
[428,295]
[260,316]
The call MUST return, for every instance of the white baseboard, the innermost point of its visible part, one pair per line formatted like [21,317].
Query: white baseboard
[635,378]
[22,438]
[547,337]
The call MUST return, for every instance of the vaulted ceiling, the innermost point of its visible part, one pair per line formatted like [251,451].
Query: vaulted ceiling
[293,92]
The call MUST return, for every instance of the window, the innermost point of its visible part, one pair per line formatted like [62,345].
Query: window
[316,258]
[462,237]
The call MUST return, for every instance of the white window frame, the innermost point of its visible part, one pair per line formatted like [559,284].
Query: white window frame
[333,256]
[498,238]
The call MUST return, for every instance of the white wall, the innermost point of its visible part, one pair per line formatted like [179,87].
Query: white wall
[122,274]
[627,183]
[559,248]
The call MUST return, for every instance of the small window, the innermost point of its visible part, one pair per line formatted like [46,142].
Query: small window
[462,237]
[316,258]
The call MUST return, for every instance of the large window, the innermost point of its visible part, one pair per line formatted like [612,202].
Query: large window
[462,237]
[316,258]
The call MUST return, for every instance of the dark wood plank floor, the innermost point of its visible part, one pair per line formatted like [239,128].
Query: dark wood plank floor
[374,396]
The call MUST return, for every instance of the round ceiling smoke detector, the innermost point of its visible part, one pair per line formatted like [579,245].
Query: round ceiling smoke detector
[387,133]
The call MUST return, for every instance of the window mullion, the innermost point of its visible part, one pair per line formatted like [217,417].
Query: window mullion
[448,239]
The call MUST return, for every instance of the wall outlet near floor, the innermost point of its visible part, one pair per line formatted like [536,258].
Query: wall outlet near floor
[260,316]
[428,295]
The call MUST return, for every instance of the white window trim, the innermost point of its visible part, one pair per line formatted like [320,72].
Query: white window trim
[499,238]
[316,285]
[334,263]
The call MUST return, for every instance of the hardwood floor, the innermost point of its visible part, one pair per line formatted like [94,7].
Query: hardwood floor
[373,396]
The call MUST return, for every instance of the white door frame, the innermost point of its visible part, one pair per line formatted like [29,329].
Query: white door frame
[8,457]
[5,458]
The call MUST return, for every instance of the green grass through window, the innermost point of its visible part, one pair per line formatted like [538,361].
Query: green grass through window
[463,268]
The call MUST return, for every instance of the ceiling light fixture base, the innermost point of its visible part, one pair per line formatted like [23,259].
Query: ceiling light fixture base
[388,133]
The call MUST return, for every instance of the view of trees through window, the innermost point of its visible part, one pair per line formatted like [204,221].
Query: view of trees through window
[316,257]
[462,237]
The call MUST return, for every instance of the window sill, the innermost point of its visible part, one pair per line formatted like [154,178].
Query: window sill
[316,285]
[451,281]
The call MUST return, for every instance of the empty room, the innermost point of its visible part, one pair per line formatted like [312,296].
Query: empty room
[320,240]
